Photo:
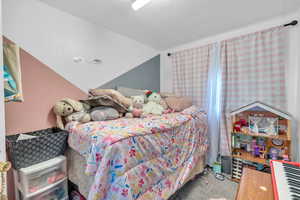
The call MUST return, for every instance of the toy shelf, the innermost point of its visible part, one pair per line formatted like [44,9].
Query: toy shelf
[248,156]
[281,137]
[258,133]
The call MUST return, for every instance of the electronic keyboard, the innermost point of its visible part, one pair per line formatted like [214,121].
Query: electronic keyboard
[286,180]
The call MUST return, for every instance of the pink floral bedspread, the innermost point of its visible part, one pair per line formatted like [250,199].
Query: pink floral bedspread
[145,159]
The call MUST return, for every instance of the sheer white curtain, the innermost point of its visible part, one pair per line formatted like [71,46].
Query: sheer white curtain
[213,105]
[196,73]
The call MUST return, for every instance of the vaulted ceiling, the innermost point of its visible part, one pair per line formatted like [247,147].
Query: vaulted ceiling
[163,24]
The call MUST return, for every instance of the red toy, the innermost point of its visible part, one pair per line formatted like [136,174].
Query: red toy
[148,93]
[237,126]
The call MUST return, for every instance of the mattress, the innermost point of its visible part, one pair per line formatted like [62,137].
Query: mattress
[147,158]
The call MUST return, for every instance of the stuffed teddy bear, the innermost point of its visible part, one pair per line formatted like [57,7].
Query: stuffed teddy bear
[81,116]
[153,106]
[136,109]
[162,102]
[66,107]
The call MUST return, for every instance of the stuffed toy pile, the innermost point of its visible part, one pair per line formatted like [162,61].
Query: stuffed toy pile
[149,104]
[109,104]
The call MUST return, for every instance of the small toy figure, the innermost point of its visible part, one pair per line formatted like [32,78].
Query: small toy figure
[262,155]
[244,146]
[285,158]
[274,153]
[217,167]
[249,148]
[260,167]
[253,146]
[261,141]
[256,151]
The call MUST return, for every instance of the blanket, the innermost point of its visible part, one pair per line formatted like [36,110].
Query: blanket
[147,158]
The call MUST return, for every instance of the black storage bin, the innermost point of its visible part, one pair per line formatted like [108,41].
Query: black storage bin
[49,144]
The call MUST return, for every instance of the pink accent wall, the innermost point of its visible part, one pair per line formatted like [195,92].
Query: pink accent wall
[42,87]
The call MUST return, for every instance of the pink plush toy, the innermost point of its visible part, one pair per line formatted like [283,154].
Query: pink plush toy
[137,112]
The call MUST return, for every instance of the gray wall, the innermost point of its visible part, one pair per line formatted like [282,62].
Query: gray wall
[145,76]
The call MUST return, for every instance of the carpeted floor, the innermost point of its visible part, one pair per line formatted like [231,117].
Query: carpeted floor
[207,187]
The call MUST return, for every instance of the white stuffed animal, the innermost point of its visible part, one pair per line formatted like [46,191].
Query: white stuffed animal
[153,106]
[137,102]
[136,109]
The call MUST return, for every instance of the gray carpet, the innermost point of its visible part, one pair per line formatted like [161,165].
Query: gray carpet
[207,187]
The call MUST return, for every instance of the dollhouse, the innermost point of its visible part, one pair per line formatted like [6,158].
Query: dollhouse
[259,133]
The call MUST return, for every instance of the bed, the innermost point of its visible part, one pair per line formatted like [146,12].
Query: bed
[143,159]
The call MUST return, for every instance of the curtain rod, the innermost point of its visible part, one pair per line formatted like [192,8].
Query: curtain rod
[292,23]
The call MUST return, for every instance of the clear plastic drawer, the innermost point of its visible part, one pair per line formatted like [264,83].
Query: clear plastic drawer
[58,192]
[35,178]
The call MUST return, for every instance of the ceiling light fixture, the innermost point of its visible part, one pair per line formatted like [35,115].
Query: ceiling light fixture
[137,4]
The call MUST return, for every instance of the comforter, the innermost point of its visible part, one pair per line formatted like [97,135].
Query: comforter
[146,158]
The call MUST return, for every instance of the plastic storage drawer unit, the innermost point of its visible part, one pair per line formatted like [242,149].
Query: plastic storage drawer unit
[58,191]
[36,177]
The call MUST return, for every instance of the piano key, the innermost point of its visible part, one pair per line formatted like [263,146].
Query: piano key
[292,176]
[297,178]
[294,184]
[293,180]
[295,197]
[295,190]
[293,172]
[291,166]
[291,169]
[295,194]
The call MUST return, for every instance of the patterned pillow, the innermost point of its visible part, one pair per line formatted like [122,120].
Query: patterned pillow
[128,92]
[179,103]
[167,94]
[115,95]
[107,101]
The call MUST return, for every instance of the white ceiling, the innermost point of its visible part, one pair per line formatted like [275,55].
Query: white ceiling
[163,24]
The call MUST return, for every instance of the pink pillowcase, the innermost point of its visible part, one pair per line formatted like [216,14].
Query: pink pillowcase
[179,103]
